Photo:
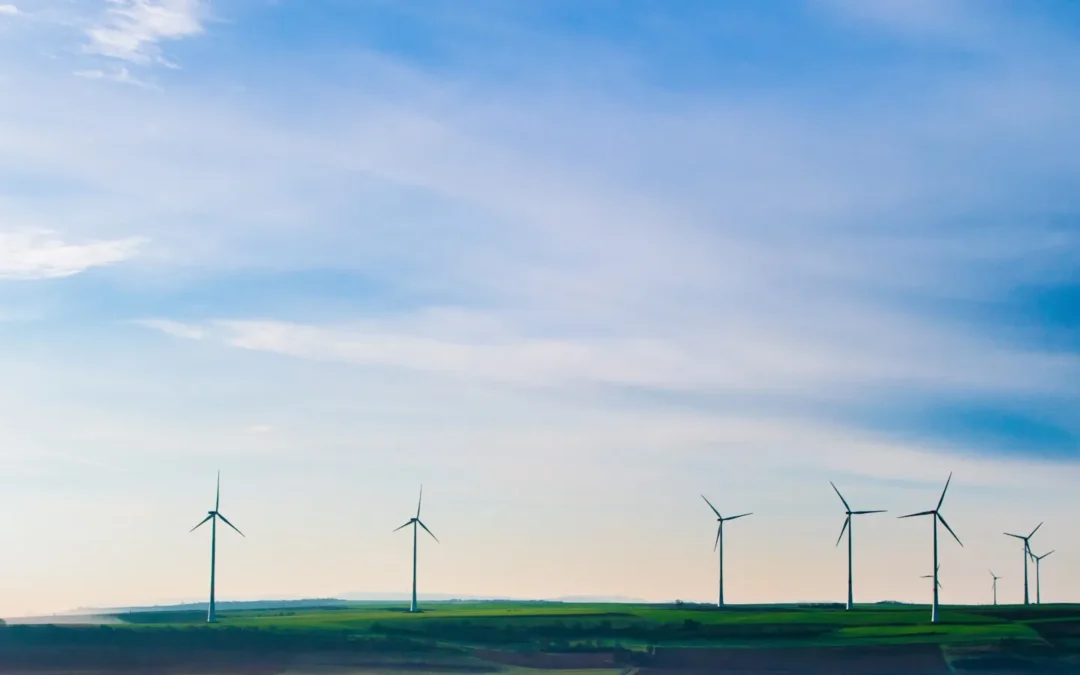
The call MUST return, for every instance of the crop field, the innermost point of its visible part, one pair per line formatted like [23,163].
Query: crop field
[524,638]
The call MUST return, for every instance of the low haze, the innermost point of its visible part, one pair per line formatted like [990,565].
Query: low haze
[568,270]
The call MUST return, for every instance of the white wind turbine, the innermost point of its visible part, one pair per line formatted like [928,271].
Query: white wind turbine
[848,526]
[936,514]
[213,517]
[719,544]
[416,522]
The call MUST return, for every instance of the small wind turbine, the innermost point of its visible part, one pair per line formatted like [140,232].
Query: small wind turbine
[719,544]
[848,526]
[1038,589]
[414,522]
[996,577]
[213,517]
[936,513]
[933,576]
[1027,553]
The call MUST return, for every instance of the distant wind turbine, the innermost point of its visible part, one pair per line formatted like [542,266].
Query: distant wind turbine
[1027,554]
[937,584]
[1038,590]
[414,522]
[936,513]
[719,544]
[213,517]
[848,526]
[996,577]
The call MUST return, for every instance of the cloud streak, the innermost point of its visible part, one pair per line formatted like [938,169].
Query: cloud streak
[43,254]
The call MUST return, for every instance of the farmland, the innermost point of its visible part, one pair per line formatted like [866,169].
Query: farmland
[519,638]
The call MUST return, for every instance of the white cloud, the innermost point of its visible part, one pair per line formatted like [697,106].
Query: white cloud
[42,254]
[8,10]
[133,29]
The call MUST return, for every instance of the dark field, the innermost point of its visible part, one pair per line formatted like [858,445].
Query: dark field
[522,638]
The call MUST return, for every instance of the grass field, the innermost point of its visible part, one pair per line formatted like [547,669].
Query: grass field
[521,638]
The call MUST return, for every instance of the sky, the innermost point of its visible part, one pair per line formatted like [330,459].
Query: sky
[567,265]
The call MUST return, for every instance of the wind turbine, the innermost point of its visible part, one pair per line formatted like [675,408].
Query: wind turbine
[1038,589]
[936,513]
[996,577]
[414,522]
[213,517]
[719,544]
[1027,553]
[937,584]
[848,526]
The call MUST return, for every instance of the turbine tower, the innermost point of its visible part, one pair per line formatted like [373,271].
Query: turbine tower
[936,513]
[213,517]
[848,526]
[719,544]
[996,577]
[1038,589]
[414,522]
[1027,554]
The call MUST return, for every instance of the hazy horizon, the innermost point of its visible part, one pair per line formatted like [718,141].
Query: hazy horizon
[569,268]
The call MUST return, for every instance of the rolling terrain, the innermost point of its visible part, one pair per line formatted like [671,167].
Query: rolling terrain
[521,637]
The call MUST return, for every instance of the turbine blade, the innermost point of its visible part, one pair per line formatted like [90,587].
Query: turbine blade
[1014,535]
[942,519]
[840,495]
[711,506]
[920,513]
[843,530]
[421,524]
[201,523]
[217,495]
[942,500]
[419,501]
[1044,555]
[404,526]
[226,521]
[862,513]
[1034,531]
[741,515]
[716,543]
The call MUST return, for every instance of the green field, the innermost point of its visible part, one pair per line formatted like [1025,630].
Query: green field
[509,637]
[552,626]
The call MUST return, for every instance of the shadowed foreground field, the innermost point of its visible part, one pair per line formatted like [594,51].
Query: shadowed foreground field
[528,637]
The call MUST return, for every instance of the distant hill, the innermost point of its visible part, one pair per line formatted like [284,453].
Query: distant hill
[344,600]
[447,597]
[222,605]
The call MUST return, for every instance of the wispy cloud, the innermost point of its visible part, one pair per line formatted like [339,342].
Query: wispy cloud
[120,75]
[132,30]
[43,254]
[8,10]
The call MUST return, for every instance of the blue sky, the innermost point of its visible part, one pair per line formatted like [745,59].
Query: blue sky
[549,259]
